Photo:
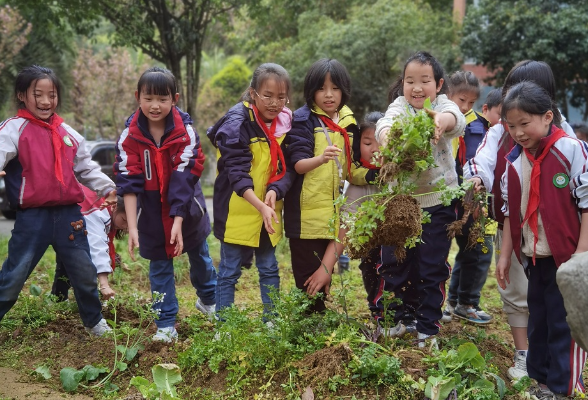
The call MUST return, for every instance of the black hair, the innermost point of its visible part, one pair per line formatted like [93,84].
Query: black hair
[531,98]
[120,207]
[422,57]
[369,121]
[262,74]
[534,71]
[315,79]
[581,130]
[28,76]
[464,81]
[157,81]
[494,98]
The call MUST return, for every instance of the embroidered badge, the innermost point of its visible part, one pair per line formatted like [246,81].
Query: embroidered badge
[67,141]
[560,180]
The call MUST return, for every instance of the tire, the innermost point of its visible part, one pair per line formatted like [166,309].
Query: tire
[9,214]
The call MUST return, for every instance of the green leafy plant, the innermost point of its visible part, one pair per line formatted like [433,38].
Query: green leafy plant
[375,365]
[165,378]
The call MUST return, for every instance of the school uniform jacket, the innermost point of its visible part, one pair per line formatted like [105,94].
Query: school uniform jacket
[26,154]
[561,203]
[309,204]
[165,181]
[244,162]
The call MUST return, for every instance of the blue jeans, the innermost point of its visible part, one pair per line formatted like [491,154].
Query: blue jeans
[203,273]
[162,280]
[229,272]
[34,230]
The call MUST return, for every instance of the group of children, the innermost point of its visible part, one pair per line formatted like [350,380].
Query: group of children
[273,163]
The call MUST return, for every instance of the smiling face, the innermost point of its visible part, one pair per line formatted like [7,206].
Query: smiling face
[528,129]
[328,97]
[419,83]
[465,100]
[156,107]
[270,98]
[40,99]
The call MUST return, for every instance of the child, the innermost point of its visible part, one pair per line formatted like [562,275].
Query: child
[45,161]
[419,279]
[364,148]
[544,186]
[252,179]
[320,152]
[471,264]
[486,169]
[104,224]
[158,164]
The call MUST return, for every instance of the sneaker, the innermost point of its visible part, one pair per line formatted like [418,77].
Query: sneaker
[411,326]
[424,340]
[538,393]
[448,313]
[207,310]
[483,314]
[470,314]
[167,334]
[99,329]
[519,368]
[395,331]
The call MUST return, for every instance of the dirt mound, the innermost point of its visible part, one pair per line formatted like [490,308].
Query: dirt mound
[318,367]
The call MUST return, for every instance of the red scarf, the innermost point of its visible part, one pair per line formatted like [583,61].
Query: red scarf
[53,126]
[275,148]
[461,151]
[336,128]
[532,214]
[367,164]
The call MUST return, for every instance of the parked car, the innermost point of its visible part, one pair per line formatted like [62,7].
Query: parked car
[103,153]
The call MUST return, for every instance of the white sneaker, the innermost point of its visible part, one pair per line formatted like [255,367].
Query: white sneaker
[99,329]
[208,310]
[167,334]
[395,331]
[448,313]
[519,369]
[424,340]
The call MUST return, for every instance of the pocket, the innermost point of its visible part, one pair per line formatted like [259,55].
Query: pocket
[196,209]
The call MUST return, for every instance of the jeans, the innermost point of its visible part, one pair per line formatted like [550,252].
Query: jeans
[34,230]
[61,282]
[229,272]
[203,273]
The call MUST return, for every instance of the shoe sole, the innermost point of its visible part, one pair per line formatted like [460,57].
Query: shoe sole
[473,321]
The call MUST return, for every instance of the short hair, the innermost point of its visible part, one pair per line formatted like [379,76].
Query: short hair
[464,81]
[28,76]
[530,98]
[262,74]
[157,81]
[315,79]
[423,58]
[494,98]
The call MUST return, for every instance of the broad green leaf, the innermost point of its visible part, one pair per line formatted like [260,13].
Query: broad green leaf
[500,385]
[35,290]
[439,387]
[43,370]
[427,104]
[92,373]
[70,378]
[478,362]
[132,351]
[466,352]
[110,388]
[121,366]
[166,376]
[484,384]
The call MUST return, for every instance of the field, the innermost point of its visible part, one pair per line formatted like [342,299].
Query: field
[335,356]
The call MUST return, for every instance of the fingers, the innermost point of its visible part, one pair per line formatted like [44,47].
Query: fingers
[330,153]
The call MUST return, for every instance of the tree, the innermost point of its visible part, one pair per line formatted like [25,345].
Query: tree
[500,33]
[13,34]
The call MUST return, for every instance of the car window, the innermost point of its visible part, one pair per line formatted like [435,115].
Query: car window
[104,156]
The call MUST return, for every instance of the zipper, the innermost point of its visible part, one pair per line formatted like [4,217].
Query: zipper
[199,206]
[22,189]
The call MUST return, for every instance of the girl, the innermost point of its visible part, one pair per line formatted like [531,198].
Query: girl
[544,191]
[486,169]
[320,152]
[104,224]
[158,164]
[252,179]
[471,265]
[419,279]
[45,161]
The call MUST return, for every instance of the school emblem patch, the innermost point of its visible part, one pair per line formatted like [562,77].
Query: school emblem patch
[67,141]
[560,180]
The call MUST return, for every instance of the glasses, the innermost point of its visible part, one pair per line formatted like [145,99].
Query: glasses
[268,101]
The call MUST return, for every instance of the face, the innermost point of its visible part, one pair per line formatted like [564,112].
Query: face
[270,98]
[465,100]
[419,83]
[528,129]
[156,107]
[492,114]
[119,220]
[40,98]
[328,97]
[369,145]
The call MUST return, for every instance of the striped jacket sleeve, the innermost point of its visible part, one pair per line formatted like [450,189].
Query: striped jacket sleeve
[130,177]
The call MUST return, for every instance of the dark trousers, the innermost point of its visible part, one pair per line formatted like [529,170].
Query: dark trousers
[419,280]
[554,358]
[372,281]
[305,262]
[61,283]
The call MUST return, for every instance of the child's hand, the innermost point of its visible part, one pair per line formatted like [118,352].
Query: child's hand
[107,292]
[270,199]
[502,270]
[109,200]
[133,242]
[478,184]
[2,173]
[321,278]
[442,121]
[269,216]
[176,236]
[330,153]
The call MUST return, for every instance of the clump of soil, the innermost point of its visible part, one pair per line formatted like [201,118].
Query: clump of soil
[473,206]
[402,220]
[324,364]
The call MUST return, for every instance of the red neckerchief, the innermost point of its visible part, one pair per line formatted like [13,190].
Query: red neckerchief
[275,148]
[55,122]
[336,128]
[367,164]
[111,235]
[532,214]
[461,151]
